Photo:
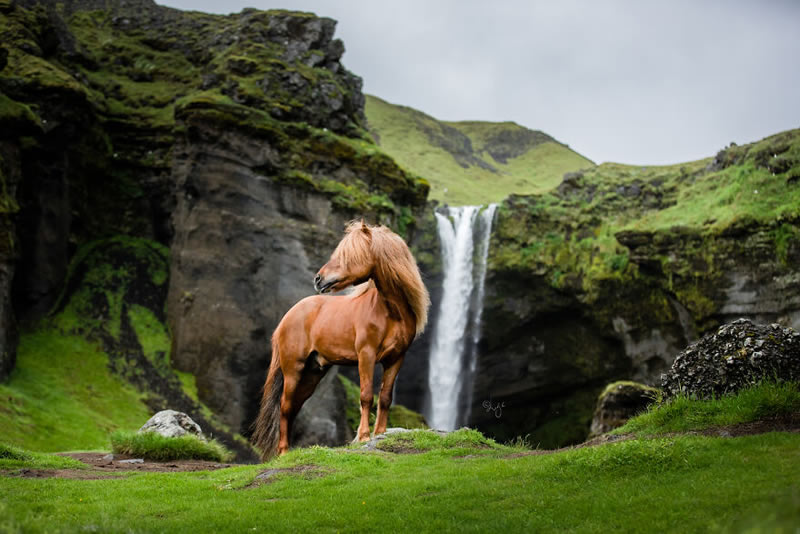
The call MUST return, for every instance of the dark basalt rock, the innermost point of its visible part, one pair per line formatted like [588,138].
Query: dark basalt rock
[737,355]
[619,402]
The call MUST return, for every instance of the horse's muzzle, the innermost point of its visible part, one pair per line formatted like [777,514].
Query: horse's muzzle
[321,287]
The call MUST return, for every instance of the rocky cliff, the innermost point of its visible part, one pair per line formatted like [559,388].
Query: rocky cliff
[237,141]
[615,271]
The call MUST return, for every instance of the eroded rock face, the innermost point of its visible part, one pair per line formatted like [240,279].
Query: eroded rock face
[737,355]
[619,402]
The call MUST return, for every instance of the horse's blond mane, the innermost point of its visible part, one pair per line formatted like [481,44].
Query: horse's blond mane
[395,269]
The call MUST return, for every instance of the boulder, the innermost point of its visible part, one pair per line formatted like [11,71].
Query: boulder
[172,424]
[738,355]
[619,402]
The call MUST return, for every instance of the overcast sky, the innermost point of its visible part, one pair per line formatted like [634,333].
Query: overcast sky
[642,82]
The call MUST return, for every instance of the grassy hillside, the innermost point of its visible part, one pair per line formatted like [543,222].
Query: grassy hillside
[463,482]
[470,162]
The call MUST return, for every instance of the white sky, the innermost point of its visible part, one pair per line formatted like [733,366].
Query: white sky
[639,81]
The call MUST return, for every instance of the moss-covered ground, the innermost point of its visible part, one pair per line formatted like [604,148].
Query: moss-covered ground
[470,162]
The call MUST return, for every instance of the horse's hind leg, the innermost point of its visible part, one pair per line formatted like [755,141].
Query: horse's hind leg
[296,392]
[385,398]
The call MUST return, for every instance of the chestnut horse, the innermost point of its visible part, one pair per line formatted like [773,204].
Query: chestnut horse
[375,323]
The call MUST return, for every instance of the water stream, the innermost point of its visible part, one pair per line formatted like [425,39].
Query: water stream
[464,236]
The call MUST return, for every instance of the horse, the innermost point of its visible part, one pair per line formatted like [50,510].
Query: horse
[377,322]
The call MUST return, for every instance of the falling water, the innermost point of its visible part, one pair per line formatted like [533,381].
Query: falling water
[464,236]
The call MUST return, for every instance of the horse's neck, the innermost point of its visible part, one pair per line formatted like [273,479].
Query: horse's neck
[396,302]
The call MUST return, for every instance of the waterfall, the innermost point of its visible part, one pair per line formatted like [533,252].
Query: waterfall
[464,236]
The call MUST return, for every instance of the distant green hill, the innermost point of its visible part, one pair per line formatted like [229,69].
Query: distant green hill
[471,162]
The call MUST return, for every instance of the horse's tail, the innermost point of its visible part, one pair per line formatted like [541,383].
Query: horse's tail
[266,428]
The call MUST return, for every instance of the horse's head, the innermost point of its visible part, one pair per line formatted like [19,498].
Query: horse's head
[351,263]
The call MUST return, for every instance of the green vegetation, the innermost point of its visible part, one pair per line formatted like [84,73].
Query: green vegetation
[152,446]
[461,441]
[571,234]
[14,457]
[61,395]
[471,162]
[461,481]
[682,484]
[90,367]
[767,400]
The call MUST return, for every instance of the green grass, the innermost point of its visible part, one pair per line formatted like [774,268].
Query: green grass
[61,395]
[459,482]
[683,414]
[152,446]
[14,457]
[685,484]
[459,176]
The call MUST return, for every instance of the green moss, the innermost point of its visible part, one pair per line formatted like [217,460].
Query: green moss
[785,236]
[151,334]
[17,115]
[655,392]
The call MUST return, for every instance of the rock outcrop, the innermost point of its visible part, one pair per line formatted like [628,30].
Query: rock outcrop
[619,402]
[737,355]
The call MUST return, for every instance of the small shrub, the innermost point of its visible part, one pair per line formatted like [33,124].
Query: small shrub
[152,446]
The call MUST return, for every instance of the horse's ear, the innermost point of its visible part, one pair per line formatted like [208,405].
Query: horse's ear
[364,227]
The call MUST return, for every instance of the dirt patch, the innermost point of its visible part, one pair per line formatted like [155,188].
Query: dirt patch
[271,475]
[783,423]
[104,465]
[120,462]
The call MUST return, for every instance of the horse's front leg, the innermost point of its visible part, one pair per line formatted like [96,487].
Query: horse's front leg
[385,398]
[366,369]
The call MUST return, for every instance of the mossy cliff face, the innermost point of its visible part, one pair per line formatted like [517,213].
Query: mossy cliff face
[619,268]
[236,141]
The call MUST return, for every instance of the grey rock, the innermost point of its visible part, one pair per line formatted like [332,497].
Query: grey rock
[131,461]
[172,424]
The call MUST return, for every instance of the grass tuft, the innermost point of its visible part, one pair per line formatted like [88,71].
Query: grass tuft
[152,446]
[426,440]
[683,414]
